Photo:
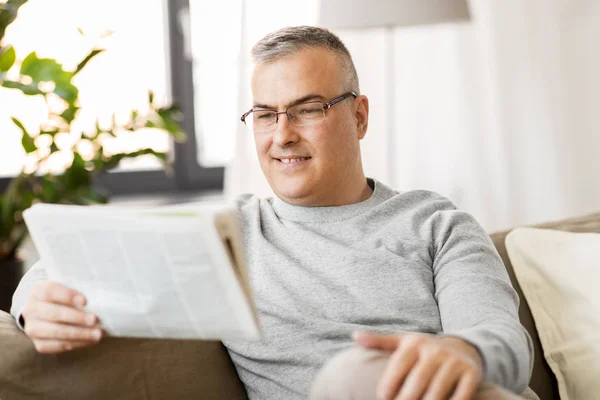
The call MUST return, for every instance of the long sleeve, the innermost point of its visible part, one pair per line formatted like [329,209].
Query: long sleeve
[36,273]
[476,300]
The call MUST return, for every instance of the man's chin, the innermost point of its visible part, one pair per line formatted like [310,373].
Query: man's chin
[291,196]
[293,193]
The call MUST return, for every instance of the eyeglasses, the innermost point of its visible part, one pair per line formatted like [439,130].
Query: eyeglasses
[303,114]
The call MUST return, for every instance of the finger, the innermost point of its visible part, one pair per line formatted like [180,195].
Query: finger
[466,387]
[399,365]
[52,312]
[418,379]
[38,329]
[53,292]
[49,346]
[444,382]
[376,341]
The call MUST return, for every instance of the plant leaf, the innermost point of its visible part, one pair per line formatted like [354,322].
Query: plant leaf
[169,118]
[50,132]
[83,63]
[150,97]
[19,124]
[42,69]
[26,200]
[76,175]
[6,216]
[8,57]
[49,192]
[27,141]
[30,90]
[66,90]
[69,114]
[8,13]
[89,195]
[114,160]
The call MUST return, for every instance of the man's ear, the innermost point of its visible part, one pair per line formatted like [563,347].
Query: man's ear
[361,114]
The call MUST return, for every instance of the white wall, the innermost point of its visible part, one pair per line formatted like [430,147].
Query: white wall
[500,114]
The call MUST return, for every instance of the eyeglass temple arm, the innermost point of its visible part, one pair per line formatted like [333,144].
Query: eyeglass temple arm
[339,99]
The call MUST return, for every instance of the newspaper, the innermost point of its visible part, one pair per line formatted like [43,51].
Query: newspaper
[164,272]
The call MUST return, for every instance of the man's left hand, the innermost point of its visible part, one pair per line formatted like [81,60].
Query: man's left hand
[426,367]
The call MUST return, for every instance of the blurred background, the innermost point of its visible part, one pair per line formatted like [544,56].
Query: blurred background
[495,104]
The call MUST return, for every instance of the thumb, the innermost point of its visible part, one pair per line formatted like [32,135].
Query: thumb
[376,341]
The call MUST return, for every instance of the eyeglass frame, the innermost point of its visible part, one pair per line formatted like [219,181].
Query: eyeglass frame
[326,106]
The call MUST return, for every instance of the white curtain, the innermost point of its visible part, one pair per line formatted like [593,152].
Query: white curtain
[500,114]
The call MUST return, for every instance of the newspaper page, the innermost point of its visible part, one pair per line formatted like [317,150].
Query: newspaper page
[156,273]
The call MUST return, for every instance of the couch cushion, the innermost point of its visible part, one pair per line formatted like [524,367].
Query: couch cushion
[542,380]
[559,274]
[116,368]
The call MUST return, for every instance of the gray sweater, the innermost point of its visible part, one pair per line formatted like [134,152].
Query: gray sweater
[397,262]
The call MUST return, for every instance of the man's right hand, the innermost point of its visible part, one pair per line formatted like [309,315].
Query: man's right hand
[55,319]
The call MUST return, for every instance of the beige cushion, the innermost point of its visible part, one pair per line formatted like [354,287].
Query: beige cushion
[559,273]
[116,369]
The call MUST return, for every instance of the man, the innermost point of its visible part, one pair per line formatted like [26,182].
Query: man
[387,294]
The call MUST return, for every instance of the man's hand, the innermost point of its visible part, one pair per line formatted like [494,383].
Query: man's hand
[54,320]
[426,367]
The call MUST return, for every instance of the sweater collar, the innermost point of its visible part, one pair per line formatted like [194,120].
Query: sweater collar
[331,213]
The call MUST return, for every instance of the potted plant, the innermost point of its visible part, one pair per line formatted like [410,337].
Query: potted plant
[45,77]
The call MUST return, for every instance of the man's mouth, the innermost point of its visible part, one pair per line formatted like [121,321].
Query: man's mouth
[292,160]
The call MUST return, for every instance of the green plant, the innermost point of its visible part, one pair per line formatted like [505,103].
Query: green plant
[47,78]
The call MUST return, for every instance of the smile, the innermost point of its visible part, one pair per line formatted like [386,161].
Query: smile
[292,163]
[292,160]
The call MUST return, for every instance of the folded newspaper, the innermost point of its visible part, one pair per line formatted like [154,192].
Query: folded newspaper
[163,272]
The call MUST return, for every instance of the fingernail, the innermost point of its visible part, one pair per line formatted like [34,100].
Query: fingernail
[356,334]
[79,300]
[90,319]
[96,334]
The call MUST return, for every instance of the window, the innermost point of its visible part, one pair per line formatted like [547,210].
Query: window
[215,39]
[220,36]
[145,52]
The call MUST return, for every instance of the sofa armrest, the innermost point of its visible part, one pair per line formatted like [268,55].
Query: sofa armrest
[116,368]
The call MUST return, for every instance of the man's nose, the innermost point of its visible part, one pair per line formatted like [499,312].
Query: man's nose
[285,132]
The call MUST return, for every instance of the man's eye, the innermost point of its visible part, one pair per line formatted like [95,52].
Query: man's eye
[308,111]
[264,116]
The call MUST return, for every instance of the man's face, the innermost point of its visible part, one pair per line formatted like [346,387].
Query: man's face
[329,150]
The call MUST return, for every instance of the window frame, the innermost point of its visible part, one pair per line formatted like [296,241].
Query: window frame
[187,175]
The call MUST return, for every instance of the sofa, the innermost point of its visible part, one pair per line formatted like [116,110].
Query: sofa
[119,368]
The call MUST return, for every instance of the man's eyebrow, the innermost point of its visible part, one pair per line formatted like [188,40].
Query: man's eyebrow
[312,96]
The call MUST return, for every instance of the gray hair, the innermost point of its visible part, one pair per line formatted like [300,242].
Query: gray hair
[287,41]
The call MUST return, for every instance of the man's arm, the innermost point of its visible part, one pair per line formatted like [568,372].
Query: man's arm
[53,315]
[35,274]
[476,300]
[424,366]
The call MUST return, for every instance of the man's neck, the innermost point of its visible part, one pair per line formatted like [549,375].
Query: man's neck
[358,192]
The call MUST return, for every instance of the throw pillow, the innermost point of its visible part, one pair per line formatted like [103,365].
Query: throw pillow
[559,273]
